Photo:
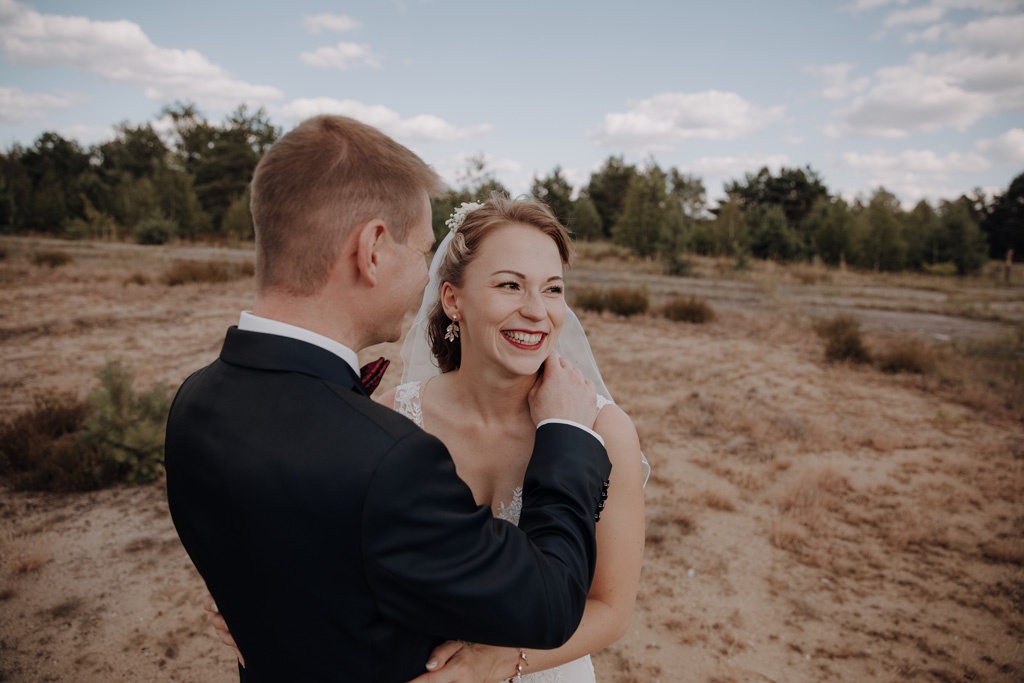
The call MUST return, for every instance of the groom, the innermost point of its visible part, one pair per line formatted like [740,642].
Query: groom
[334,535]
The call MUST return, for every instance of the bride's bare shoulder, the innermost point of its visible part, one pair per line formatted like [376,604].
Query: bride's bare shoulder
[387,398]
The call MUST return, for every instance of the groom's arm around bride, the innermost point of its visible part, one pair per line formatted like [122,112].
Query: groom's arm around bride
[334,535]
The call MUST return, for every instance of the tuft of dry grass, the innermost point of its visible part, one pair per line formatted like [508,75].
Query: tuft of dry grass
[906,354]
[690,309]
[589,299]
[787,535]
[627,301]
[716,500]
[29,558]
[137,278]
[186,272]
[1004,550]
[843,340]
[51,258]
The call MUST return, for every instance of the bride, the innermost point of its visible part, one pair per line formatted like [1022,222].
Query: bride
[493,312]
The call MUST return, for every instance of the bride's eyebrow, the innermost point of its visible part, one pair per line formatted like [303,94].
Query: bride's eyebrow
[523,277]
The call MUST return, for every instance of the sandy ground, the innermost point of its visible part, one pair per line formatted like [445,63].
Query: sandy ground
[805,521]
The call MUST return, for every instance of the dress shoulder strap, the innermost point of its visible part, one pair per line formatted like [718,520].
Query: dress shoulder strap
[407,402]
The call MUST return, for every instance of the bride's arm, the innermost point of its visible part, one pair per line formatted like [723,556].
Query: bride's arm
[609,607]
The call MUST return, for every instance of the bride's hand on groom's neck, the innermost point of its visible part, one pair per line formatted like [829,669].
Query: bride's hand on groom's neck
[561,392]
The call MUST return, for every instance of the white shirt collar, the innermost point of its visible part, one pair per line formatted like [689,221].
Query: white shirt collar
[254,323]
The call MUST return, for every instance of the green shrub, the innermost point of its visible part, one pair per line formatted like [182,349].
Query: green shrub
[63,443]
[590,299]
[155,230]
[842,339]
[688,309]
[906,355]
[125,427]
[627,301]
[679,267]
[944,269]
[51,258]
[185,272]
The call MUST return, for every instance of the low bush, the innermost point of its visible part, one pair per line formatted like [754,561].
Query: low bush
[155,230]
[679,267]
[137,278]
[688,309]
[185,272]
[843,340]
[590,299]
[63,443]
[944,269]
[627,301]
[51,258]
[907,354]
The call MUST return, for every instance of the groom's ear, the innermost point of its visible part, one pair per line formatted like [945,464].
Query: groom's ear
[370,241]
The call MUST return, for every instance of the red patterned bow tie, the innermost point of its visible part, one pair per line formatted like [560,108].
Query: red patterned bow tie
[372,373]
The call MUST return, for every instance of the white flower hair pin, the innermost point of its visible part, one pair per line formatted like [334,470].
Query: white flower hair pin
[459,216]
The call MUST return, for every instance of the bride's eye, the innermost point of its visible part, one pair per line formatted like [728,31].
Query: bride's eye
[556,289]
[509,285]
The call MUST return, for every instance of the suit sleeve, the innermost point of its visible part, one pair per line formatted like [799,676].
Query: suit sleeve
[434,557]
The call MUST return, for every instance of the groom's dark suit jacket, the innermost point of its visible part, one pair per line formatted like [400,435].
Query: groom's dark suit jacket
[336,537]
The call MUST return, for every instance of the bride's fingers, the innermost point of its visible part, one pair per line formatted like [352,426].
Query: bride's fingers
[442,653]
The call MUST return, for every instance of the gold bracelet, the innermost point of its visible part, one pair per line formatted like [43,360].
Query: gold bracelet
[522,662]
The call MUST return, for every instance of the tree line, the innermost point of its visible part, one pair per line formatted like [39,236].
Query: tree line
[191,183]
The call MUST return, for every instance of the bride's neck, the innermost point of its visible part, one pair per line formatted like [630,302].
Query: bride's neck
[493,397]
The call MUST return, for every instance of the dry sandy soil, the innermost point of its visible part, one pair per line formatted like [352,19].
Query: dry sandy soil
[805,521]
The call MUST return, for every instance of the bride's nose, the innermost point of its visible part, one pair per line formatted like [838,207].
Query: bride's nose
[533,307]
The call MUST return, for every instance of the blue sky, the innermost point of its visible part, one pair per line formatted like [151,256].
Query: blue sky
[923,97]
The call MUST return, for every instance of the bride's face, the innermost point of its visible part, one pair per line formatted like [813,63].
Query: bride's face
[511,305]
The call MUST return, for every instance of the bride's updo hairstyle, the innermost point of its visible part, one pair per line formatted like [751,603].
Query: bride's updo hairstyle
[480,222]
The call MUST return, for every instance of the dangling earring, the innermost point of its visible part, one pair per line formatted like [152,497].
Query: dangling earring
[452,333]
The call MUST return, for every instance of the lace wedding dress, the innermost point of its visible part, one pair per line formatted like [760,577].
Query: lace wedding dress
[407,402]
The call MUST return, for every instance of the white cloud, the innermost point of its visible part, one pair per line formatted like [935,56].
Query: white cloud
[339,23]
[424,128]
[838,85]
[916,161]
[17,106]
[1008,148]
[120,52]
[666,119]
[924,14]
[914,175]
[979,74]
[341,56]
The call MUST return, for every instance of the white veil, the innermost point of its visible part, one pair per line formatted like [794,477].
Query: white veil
[418,364]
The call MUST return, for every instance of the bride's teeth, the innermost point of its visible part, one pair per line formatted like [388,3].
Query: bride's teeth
[524,338]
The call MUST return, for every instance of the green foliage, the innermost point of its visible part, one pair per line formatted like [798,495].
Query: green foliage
[125,427]
[627,301]
[966,243]
[238,221]
[879,242]
[831,226]
[51,258]
[63,443]
[555,191]
[155,230]
[678,266]
[771,237]
[644,220]
[584,221]
[608,188]
[690,309]
[842,339]
[186,272]
[95,225]
[1003,224]
[943,269]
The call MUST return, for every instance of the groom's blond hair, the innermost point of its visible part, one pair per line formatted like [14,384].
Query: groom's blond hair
[319,182]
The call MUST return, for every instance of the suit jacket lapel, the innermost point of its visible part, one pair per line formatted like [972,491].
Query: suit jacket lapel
[273,352]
